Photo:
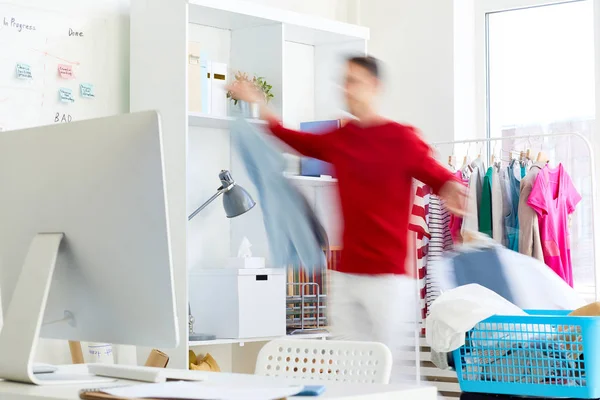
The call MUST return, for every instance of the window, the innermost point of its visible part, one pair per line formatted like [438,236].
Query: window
[541,80]
[540,66]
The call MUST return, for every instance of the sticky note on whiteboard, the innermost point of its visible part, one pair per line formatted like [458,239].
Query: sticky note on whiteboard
[66,95]
[24,71]
[65,71]
[87,90]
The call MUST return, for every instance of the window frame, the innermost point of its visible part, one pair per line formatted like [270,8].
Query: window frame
[482,10]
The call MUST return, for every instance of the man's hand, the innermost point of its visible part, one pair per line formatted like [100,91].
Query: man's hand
[455,197]
[246,91]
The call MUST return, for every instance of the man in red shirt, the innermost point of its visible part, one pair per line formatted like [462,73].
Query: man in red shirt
[375,160]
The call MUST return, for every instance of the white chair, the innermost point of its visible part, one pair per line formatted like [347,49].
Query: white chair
[326,360]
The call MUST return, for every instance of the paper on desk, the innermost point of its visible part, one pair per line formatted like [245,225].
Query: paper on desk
[204,391]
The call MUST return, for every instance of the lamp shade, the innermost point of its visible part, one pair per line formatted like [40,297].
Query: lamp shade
[236,200]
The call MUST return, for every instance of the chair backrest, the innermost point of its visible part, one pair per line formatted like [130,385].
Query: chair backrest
[326,360]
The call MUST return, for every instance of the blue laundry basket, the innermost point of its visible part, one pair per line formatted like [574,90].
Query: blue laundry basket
[543,354]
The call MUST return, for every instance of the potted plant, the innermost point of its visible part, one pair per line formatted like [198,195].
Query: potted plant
[251,110]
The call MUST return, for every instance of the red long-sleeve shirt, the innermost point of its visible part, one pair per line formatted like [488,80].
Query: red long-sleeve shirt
[374,166]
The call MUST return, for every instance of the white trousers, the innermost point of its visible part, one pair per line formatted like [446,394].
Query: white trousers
[378,308]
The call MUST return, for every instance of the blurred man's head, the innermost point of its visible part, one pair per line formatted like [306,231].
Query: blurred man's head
[362,84]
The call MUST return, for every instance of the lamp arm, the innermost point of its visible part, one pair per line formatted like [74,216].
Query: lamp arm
[220,191]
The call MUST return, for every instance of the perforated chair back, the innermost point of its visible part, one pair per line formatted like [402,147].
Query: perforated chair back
[326,360]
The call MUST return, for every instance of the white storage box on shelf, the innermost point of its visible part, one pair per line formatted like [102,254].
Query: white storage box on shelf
[238,303]
[246,263]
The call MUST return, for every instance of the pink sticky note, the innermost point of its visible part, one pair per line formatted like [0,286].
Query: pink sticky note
[65,71]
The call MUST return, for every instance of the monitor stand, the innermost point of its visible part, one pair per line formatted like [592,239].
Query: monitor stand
[23,320]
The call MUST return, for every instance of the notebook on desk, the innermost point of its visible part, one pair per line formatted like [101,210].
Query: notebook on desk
[192,391]
[95,394]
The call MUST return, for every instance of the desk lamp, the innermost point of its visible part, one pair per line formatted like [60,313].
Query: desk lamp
[236,201]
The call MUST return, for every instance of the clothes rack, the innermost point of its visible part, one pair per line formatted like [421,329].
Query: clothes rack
[440,378]
[592,169]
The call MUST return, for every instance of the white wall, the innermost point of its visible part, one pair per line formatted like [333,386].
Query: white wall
[465,118]
[414,39]
[331,9]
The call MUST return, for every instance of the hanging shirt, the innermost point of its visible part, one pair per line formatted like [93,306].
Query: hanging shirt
[456,221]
[523,171]
[554,198]
[419,223]
[375,166]
[478,165]
[505,186]
[485,208]
[497,207]
[471,219]
[512,221]
[530,243]
[439,228]
[439,243]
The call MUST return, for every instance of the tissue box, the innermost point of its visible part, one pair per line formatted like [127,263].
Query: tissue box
[239,303]
[246,262]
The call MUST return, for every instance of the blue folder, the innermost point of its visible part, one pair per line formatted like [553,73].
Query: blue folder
[311,166]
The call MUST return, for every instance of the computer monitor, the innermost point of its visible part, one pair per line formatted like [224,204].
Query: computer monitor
[84,240]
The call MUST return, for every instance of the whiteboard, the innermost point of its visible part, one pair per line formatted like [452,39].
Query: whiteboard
[45,40]
[99,57]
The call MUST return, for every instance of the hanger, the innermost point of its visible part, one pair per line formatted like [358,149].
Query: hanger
[452,159]
[465,163]
[480,148]
[496,161]
[523,160]
[514,155]
[542,158]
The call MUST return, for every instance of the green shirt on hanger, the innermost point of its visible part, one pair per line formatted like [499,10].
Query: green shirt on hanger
[485,208]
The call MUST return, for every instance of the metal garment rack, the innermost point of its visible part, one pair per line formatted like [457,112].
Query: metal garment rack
[592,167]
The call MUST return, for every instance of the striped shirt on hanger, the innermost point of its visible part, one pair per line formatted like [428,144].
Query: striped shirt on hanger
[440,242]
[419,223]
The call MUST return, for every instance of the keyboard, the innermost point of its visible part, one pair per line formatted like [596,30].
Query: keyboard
[141,374]
[39,368]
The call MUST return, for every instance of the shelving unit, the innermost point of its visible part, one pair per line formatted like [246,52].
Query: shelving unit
[312,180]
[300,56]
[216,122]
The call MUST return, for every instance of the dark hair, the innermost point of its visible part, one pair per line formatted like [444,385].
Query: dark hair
[369,63]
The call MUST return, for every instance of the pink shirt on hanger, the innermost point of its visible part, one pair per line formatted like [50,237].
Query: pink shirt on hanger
[554,198]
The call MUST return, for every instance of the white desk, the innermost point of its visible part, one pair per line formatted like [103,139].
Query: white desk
[334,391]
